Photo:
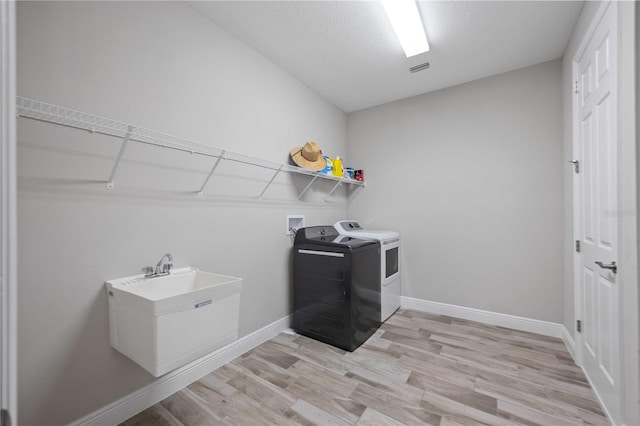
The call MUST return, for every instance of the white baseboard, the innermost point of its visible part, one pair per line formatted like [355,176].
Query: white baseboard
[140,400]
[545,328]
[569,342]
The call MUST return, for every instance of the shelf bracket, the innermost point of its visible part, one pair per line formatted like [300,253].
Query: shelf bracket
[270,182]
[123,147]
[213,169]
[333,190]
[308,186]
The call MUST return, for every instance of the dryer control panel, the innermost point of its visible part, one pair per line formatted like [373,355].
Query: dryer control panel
[347,225]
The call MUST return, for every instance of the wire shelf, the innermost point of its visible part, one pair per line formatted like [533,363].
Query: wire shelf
[41,111]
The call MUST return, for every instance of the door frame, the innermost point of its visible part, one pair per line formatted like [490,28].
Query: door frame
[8,216]
[627,251]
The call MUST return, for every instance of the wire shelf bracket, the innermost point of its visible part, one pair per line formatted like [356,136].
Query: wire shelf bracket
[123,147]
[270,182]
[308,186]
[332,190]
[213,169]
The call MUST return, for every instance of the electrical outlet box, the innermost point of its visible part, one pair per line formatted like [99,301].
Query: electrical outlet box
[295,222]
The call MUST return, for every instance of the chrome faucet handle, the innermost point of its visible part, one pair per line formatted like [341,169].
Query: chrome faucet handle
[147,270]
[166,268]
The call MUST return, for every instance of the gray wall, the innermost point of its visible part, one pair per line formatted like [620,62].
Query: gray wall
[162,66]
[471,177]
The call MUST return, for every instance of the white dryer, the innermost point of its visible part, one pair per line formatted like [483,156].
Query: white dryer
[389,262]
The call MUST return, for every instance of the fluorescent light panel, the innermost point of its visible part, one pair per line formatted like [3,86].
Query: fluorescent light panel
[407,24]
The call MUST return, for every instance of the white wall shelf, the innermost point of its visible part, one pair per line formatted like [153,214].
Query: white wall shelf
[36,110]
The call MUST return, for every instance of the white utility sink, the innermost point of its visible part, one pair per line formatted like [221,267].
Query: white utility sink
[165,322]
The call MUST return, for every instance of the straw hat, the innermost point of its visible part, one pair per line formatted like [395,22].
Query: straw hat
[308,157]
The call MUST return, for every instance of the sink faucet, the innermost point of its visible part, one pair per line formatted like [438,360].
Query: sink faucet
[162,268]
[166,268]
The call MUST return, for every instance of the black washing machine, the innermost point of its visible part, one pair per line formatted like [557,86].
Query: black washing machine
[336,287]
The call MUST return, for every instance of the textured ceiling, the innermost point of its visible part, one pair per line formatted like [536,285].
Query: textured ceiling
[347,51]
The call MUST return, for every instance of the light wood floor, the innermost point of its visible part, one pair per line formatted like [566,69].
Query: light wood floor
[416,369]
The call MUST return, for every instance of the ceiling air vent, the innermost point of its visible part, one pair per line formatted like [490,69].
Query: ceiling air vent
[420,67]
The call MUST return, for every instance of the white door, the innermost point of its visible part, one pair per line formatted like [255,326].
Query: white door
[597,225]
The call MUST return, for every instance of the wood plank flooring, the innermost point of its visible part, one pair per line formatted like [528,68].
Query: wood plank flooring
[416,369]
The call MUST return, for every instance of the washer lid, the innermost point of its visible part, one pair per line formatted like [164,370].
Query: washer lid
[351,228]
[328,236]
[342,241]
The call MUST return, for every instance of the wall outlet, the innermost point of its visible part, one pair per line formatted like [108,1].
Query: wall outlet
[295,222]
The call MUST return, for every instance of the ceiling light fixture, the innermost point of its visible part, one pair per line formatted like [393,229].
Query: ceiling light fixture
[407,24]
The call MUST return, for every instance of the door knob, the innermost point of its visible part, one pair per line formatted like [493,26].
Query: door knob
[611,266]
